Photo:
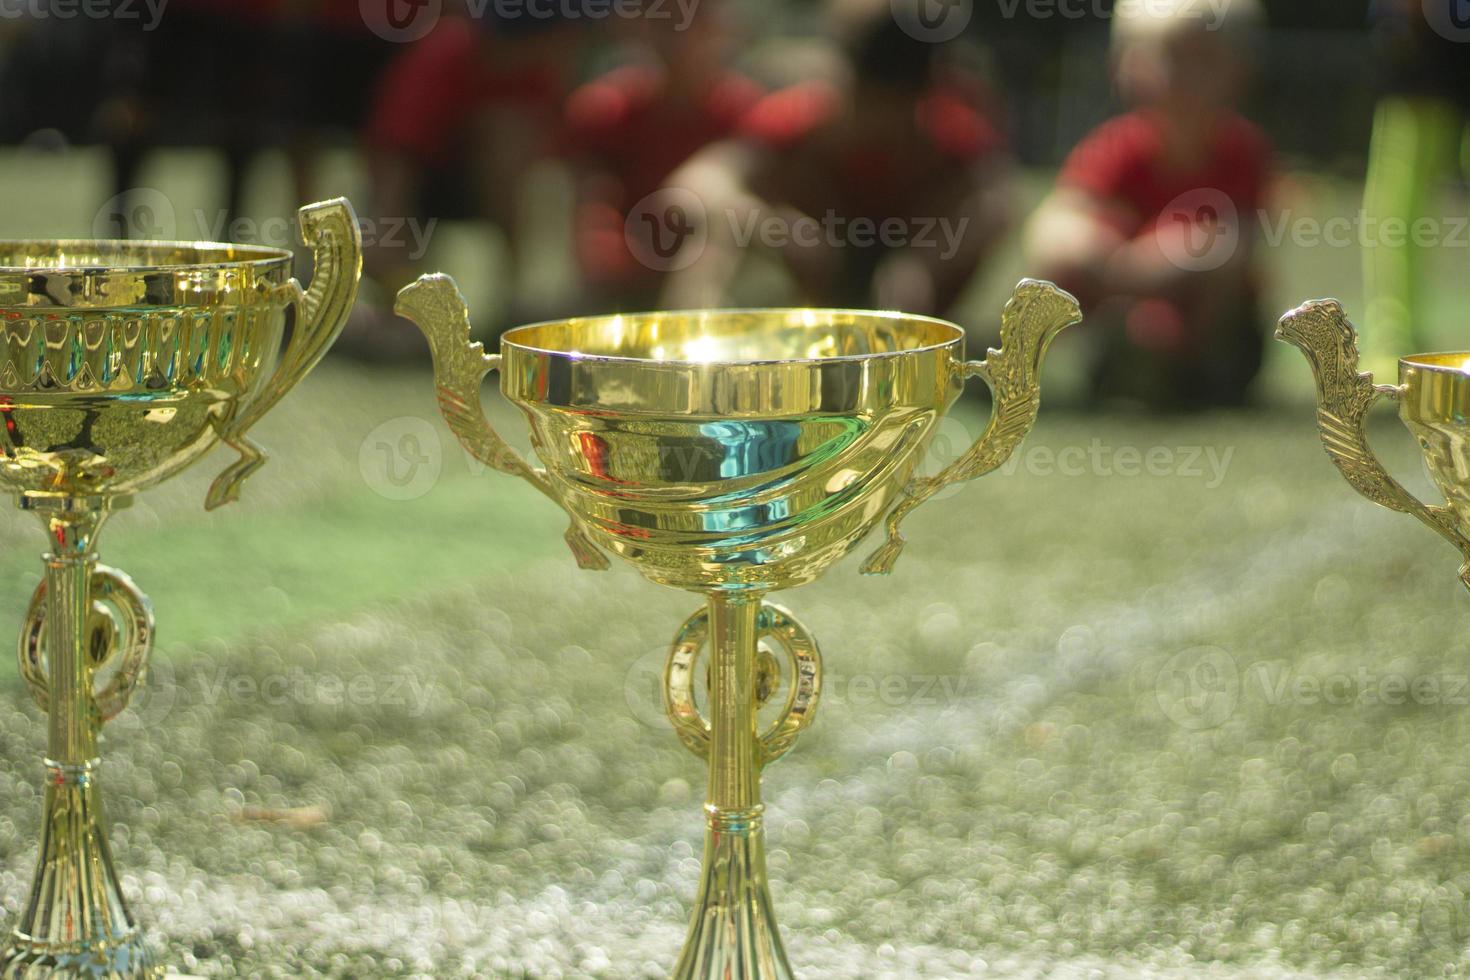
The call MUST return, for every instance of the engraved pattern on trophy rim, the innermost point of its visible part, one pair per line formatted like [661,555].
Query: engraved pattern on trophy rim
[149,350]
[111,402]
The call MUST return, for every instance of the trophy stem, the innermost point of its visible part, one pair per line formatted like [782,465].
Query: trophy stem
[76,922]
[732,934]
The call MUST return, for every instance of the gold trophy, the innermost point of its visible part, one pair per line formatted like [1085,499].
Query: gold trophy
[1433,395]
[123,363]
[733,453]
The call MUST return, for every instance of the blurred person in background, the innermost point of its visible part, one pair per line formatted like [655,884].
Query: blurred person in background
[883,184]
[629,129]
[330,60]
[237,75]
[1153,220]
[206,74]
[51,74]
[457,121]
[1419,134]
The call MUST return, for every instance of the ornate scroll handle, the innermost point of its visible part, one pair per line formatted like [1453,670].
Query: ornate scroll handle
[120,629]
[321,311]
[775,622]
[1036,313]
[435,305]
[1322,331]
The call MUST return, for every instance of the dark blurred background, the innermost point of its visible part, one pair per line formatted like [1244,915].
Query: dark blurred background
[529,146]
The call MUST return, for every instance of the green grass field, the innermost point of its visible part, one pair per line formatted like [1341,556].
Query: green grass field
[1209,720]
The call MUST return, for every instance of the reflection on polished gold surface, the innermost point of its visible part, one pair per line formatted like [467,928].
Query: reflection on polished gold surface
[734,453]
[122,363]
[1434,403]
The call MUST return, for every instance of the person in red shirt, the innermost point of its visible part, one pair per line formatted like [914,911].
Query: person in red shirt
[459,117]
[456,122]
[207,72]
[884,184]
[1153,220]
[327,59]
[629,129]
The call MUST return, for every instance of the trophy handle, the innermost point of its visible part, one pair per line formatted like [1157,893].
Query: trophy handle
[1036,313]
[331,229]
[1322,331]
[127,639]
[436,306]
[773,622]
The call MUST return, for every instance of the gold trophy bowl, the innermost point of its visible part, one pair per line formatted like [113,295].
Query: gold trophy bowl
[733,453]
[1433,395]
[122,363]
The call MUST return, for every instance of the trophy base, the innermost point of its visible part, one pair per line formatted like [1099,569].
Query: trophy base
[732,933]
[129,959]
